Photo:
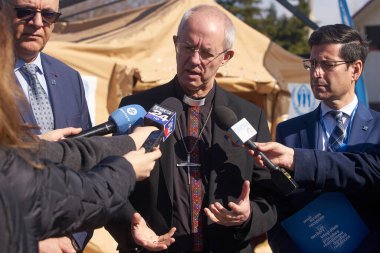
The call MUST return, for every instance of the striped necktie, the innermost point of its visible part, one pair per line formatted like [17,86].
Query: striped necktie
[39,101]
[337,135]
[196,179]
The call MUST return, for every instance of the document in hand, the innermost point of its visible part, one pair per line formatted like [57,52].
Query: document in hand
[327,224]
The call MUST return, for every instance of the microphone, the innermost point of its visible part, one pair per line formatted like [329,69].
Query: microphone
[242,132]
[119,122]
[164,118]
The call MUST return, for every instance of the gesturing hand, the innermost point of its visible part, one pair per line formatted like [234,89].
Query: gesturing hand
[147,238]
[240,210]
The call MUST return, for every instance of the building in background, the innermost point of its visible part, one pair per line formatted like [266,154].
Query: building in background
[367,21]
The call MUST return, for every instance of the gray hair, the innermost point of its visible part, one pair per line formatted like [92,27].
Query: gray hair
[229,29]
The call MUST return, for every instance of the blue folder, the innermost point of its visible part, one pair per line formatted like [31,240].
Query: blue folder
[327,224]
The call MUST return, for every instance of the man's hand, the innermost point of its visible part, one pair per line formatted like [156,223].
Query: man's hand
[143,163]
[240,210]
[59,134]
[279,154]
[56,245]
[147,238]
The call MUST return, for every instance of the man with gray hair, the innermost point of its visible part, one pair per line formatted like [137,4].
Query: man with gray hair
[205,191]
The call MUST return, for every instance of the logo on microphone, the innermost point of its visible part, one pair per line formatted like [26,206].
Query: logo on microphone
[163,118]
[131,111]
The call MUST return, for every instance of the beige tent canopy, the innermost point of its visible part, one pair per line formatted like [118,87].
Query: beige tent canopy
[133,50]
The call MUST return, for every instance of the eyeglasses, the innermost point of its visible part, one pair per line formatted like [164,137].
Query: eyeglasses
[205,55]
[27,14]
[325,65]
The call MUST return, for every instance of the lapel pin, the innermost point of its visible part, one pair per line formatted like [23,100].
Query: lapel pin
[53,82]
[365,128]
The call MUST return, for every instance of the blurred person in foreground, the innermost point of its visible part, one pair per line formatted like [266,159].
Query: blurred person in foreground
[205,188]
[40,195]
[54,91]
[338,124]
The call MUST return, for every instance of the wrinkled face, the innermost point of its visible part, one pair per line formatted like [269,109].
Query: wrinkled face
[32,35]
[334,81]
[200,52]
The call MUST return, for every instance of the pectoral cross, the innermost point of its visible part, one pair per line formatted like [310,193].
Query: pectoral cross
[188,164]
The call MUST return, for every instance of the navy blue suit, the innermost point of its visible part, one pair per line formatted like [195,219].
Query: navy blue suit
[66,94]
[318,171]
[68,102]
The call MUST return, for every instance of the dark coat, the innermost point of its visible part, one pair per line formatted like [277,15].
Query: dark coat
[57,200]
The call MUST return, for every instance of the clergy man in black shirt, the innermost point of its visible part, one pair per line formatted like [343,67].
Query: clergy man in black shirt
[205,193]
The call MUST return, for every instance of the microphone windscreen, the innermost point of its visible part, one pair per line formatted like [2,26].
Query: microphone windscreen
[173,104]
[127,116]
[225,117]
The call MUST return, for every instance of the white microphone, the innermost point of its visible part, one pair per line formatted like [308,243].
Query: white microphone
[242,132]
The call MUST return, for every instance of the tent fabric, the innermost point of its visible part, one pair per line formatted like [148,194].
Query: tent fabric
[133,50]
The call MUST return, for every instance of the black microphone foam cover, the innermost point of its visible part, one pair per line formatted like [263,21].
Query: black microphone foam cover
[225,117]
[172,104]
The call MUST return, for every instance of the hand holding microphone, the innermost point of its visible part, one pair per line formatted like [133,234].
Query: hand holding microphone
[242,132]
[279,154]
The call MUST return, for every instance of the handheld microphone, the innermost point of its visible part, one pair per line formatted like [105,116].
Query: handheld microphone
[164,118]
[242,132]
[119,122]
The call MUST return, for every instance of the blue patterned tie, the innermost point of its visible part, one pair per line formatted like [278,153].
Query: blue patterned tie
[337,135]
[39,101]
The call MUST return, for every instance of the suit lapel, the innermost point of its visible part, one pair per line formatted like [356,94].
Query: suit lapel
[221,99]
[55,87]
[362,126]
[169,155]
[26,111]
[310,132]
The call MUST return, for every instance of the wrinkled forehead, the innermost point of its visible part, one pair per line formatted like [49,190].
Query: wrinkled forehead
[206,28]
[40,4]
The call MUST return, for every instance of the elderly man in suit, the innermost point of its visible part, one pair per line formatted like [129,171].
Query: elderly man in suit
[54,91]
[340,123]
[204,186]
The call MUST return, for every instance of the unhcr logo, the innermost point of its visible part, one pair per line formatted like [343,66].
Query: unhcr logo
[302,100]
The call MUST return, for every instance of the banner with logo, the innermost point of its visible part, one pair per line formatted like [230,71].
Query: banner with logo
[302,99]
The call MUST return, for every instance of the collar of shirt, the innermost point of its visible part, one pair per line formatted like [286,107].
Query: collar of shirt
[347,109]
[23,79]
[37,61]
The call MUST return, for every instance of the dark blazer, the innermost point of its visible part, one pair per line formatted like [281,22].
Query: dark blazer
[230,165]
[354,175]
[66,95]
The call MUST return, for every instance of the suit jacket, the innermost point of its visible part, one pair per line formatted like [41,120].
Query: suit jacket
[230,165]
[348,173]
[66,94]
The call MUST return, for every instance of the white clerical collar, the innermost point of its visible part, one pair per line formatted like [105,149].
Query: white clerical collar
[193,102]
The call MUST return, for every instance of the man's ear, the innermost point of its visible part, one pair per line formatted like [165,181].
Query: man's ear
[227,56]
[357,69]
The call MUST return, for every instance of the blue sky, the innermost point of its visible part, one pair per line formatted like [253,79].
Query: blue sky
[325,11]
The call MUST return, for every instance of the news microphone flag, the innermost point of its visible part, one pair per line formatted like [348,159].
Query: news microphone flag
[162,118]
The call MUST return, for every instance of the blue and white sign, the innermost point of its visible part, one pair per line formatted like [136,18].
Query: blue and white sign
[302,99]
